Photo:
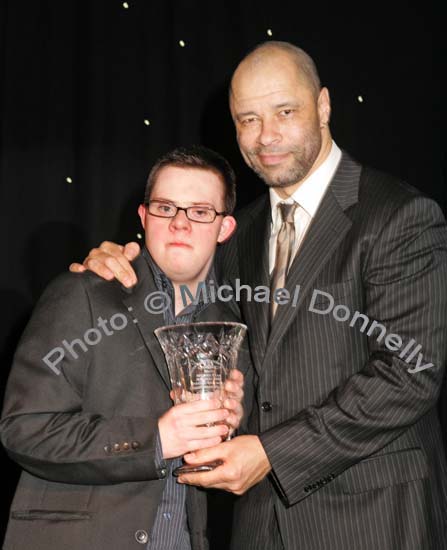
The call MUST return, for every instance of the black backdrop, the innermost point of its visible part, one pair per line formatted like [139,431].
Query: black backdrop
[94,91]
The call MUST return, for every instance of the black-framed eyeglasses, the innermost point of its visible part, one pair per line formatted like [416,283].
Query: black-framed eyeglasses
[200,214]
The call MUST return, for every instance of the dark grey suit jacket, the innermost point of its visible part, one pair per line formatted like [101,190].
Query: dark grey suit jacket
[352,436]
[86,438]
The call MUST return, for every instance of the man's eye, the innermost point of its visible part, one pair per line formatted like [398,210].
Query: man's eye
[248,121]
[201,212]
[165,208]
[286,112]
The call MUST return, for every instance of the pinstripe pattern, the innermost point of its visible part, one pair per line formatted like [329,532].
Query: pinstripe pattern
[170,528]
[352,436]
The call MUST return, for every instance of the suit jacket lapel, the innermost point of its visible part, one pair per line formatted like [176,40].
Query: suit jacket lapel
[146,323]
[325,233]
[253,250]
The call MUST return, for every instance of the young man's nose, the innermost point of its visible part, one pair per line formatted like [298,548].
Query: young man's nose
[180,220]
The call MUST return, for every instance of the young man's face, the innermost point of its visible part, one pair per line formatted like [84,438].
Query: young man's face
[184,249]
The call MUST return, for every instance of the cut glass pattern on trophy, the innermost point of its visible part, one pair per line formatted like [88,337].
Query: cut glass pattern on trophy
[199,357]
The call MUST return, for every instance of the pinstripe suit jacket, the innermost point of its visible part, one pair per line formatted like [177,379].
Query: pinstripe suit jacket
[352,436]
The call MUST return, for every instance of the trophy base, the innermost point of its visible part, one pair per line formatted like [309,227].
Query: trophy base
[189,468]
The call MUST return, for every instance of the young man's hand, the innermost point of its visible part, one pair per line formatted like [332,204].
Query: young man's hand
[185,427]
[111,261]
[235,393]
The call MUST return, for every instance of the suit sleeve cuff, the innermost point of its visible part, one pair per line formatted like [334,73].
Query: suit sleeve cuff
[160,462]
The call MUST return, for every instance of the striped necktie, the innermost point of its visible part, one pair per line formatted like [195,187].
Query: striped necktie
[284,247]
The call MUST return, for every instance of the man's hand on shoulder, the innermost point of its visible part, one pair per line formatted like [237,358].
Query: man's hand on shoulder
[111,261]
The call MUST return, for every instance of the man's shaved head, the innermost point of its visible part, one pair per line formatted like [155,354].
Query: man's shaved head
[281,114]
[267,50]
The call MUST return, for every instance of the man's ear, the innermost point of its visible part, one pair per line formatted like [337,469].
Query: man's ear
[227,228]
[142,212]
[324,107]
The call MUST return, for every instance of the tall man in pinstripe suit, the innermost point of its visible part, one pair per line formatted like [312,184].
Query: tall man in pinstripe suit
[345,449]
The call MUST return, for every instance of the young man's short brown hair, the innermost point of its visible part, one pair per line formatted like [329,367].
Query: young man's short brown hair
[202,158]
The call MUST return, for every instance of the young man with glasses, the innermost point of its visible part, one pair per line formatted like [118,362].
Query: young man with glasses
[97,435]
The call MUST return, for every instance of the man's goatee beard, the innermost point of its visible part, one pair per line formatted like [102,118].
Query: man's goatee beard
[287,180]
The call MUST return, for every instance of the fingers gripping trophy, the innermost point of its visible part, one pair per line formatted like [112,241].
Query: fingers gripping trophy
[199,358]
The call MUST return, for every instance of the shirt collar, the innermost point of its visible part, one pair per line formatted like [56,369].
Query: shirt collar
[164,284]
[161,281]
[311,191]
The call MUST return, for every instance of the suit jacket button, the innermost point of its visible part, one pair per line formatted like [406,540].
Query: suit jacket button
[135,444]
[266,406]
[163,473]
[116,447]
[126,446]
[141,536]
[108,448]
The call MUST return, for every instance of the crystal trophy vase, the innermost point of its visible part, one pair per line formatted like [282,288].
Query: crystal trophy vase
[199,358]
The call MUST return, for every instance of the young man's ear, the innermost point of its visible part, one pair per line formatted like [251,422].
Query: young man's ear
[227,228]
[142,213]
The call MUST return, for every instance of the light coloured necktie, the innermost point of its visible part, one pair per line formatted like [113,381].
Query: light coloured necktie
[284,247]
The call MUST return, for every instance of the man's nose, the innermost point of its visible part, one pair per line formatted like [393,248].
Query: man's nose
[269,133]
[180,220]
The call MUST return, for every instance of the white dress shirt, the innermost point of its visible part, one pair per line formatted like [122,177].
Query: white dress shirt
[308,196]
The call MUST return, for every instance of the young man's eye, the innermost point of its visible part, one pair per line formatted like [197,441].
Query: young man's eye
[201,212]
[165,208]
